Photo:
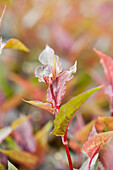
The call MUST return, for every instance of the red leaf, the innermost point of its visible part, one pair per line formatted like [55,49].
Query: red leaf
[107,63]
[92,146]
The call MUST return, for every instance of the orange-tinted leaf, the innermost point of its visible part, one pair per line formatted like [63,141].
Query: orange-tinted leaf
[108,122]
[45,106]
[15,44]
[104,122]
[36,91]
[81,136]
[24,158]
[20,80]
[12,102]
[95,143]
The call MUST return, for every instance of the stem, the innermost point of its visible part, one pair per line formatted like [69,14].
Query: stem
[65,142]
[95,152]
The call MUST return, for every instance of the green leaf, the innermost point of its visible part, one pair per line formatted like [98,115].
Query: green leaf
[3,81]
[11,143]
[15,44]
[11,166]
[67,112]
[1,167]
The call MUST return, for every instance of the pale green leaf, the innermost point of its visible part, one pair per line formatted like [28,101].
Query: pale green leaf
[67,111]
[11,166]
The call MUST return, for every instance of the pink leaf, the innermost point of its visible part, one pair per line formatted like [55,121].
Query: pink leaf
[56,90]
[25,132]
[107,63]
[106,155]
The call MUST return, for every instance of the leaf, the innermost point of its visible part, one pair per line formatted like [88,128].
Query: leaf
[80,137]
[41,136]
[107,63]
[15,44]
[83,133]
[45,106]
[4,132]
[17,122]
[104,123]
[67,112]
[4,82]
[11,143]
[11,166]
[20,80]
[47,58]
[94,144]
[106,154]
[12,102]
[56,90]
[24,158]
[94,163]
[1,167]
[26,138]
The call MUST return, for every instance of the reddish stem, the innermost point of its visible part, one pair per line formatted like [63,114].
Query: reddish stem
[95,152]
[64,138]
[65,142]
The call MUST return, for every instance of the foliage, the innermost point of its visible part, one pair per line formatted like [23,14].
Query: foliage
[72,29]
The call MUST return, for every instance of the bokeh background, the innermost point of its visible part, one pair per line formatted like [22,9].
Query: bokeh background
[72,28]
